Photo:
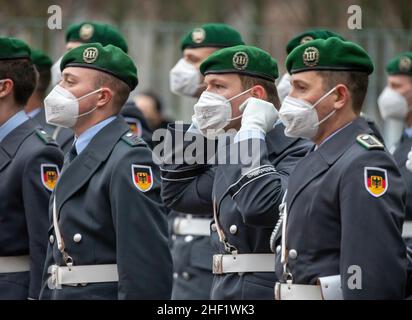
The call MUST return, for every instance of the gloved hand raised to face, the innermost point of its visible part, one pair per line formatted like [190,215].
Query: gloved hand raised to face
[258,115]
[408,163]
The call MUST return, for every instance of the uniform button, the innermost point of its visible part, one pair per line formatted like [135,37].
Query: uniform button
[173,237]
[77,237]
[293,254]
[42,131]
[175,275]
[188,238]
[186,275]
[51,239]
[129,135]
[278,248]
[213,227]
[233,229]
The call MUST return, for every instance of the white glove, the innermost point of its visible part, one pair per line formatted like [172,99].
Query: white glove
[408,163]
[258,115]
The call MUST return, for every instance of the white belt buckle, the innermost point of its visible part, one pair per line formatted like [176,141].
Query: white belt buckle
[53,282]
[218,264]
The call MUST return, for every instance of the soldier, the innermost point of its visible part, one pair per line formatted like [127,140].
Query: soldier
[90,32]
[35,107]
[108,239]
[343,213]
[284,85]
[395,103]
[241,93]
[190,231]
[30,163]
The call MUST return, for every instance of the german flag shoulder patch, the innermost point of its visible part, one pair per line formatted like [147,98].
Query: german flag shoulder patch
[369,142]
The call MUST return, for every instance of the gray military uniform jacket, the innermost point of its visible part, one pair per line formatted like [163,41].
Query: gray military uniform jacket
[30,162]
[246,206]
[345,206]
[108,214]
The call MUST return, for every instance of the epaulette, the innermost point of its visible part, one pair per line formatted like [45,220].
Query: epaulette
[369,142]
[45,137]
[132,139]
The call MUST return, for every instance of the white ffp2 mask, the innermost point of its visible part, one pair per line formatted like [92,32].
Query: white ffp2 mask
[392,105]
[184,79]
[284,86]
[213,112]
[62,107]
[300,117]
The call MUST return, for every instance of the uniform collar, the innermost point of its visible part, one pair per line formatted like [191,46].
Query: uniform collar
[336,145]
[34,112]
[84,139]
[11,124]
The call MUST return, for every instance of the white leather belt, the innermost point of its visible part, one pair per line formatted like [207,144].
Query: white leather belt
[76,275]
[407,229]
[249,262]
[14,264]
[329,288]
[191,226]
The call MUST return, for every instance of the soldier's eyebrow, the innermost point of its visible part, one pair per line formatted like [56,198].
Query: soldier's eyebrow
[217,80]
[299,82]
[69,75]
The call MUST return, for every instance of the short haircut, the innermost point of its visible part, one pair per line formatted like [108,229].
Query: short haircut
[357,83]
[121,89]
[44,78]
[269,86]
[23,74]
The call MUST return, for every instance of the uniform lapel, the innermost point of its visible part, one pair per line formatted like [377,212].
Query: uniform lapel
[276,140]
[319,161]
[78,172]
[12,142]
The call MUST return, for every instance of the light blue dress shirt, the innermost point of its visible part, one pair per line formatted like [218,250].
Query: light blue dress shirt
[84,139]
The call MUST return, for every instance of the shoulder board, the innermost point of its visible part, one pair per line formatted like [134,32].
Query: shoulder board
[132,139]
[369,142]
[45,137]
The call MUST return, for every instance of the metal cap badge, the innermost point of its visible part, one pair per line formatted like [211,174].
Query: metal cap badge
[311,56]
[198,35]
[405,64]
[86,32]
[240,60]
[90,55]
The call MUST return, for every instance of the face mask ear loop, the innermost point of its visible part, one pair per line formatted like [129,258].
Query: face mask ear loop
[83,97]
[89,94]
[240,94]
[324,97]
[86,113]
[237,96]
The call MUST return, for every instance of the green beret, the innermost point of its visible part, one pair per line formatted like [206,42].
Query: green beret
[332,54]
[91,32]
[40,59]
[310,35]
[109,59]
[12,48]
[213,35]
[244,60]
[401,64]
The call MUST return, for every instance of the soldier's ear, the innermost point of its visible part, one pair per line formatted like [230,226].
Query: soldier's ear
[105,96]
[258,92]
[6,87]
[342,96]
